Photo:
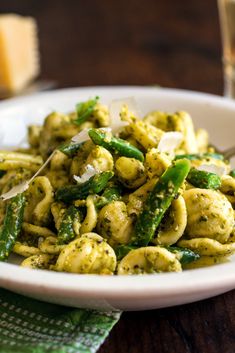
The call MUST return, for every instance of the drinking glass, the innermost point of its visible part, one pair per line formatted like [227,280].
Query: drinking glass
[227,24]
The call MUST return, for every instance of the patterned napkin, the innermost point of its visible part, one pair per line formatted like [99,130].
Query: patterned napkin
[31,326]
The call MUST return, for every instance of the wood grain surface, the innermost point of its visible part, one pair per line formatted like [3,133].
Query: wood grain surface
[164,42]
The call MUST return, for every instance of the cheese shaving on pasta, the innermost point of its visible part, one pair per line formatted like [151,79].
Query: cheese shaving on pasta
[213,168]
[18,189]
[90,171]
[170,141]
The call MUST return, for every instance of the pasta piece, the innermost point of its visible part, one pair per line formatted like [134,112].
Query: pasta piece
[25,250]
[114,223]
[56,129]
[88,254]
[150,259]
[59,161]
[49,246]
[202,139]
[228,188]
[39,200]
[100,115]
[138,197]
[232,235]
[99,158]
[36,231]
[210,215]
[173,225]
[57,173]
[90,220]
[205,261]
[207,246]
[162,120]
[180,121]
[79,161]
[58,179]
[156,162]
[145,134]
[40,261]
[13,160]
[130,172]
[58,210]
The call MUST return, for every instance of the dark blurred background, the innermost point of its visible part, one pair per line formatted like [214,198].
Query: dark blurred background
[143,42]
[172,43]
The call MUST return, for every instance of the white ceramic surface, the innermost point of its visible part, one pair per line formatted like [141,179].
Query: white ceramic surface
[107,292]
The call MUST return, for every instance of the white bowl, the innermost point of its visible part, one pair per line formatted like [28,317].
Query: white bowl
[214,113]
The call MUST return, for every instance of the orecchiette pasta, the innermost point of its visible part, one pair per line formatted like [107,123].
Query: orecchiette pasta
[39,261]
[88,254]
[130,172]
[100,159]
[180,121]
[209,213]
[174,225]
[150,259]
[90,220]
[228,188]
[49,246]
[156,162]
[114,223]
[151,197]
[208,247]
[39,200]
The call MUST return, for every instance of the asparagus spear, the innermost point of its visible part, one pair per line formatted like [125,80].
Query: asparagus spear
[185,255]
[111,193]
[66,231]
[70,148]
[114,144]
[203,179]
[158,201]
[92,186]
[12,225]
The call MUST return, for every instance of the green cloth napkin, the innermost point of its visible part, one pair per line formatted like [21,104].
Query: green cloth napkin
[31,326]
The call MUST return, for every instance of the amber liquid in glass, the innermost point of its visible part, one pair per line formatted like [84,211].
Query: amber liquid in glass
[227,22]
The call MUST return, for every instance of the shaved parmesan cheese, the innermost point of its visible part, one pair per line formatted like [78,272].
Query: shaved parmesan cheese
[213,168]
[90,172]
[43,166]
[18,189]
[115,108]
[170,141]
[82,136]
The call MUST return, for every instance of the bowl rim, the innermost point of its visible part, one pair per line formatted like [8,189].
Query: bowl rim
[188,94]
[140,286]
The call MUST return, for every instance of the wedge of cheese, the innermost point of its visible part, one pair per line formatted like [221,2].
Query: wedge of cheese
[19,59]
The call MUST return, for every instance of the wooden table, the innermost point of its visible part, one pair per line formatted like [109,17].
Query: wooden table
[170,43]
